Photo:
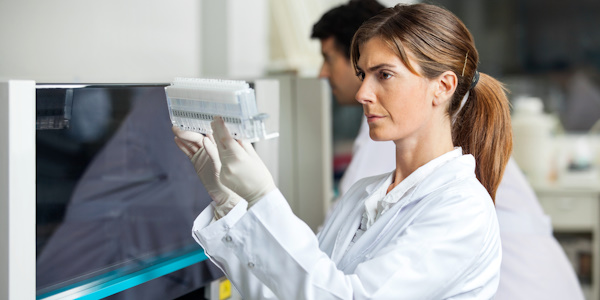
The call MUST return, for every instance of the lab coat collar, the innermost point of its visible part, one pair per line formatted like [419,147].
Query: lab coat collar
[420,174]
[380,201]
[459,167]
[436,162]
[371,188]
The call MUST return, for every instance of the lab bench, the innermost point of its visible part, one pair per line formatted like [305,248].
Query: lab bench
[575,212]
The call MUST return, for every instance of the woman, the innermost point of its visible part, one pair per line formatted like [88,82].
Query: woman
[427,230]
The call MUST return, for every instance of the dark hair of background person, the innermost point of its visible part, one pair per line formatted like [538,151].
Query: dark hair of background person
[438,42]
[342,22]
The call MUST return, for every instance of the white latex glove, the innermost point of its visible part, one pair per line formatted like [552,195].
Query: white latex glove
[204,155]
[243,171]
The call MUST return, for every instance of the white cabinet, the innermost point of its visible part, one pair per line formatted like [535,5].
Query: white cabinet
[576,211]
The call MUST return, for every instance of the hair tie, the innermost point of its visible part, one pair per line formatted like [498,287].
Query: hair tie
[475,80]
[466,96]
[465,64]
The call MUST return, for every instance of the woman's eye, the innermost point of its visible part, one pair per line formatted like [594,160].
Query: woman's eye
[385,75]
[360,75]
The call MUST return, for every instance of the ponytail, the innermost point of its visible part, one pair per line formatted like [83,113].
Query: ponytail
[482,128]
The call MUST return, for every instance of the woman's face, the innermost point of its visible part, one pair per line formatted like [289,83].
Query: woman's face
[396,102]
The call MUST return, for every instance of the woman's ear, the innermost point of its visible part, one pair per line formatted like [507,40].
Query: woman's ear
[445,86]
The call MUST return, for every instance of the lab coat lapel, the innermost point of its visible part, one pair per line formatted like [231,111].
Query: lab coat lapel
[373,236]
[443,175]
[349,225]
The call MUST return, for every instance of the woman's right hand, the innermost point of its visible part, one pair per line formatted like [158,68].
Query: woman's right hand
[243,170]
[202,151]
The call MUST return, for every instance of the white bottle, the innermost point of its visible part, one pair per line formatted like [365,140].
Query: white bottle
[532,138]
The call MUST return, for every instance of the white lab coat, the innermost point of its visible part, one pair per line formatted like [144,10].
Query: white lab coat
[439,241]
[534,266]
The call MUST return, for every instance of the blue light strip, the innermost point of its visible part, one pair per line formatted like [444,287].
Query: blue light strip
[104,287]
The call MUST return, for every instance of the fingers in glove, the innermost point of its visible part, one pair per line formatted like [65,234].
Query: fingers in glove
[212,138]
[189,136]
[188,149]
[249,149]
[212,151]
[222,137]
[199,158]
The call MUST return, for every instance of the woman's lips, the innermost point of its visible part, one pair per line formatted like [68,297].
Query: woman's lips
[373,118]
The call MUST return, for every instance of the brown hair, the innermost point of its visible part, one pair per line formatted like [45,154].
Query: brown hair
[440,42]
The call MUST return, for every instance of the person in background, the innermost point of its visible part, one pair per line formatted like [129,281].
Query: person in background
[534,266]
[335,30]
[427,230]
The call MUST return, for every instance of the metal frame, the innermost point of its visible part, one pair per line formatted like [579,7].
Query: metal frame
[17,190]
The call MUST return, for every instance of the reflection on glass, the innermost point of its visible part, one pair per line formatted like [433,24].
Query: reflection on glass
[113,191]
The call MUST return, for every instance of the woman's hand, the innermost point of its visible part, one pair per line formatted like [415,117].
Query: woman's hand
[203,153]
[243,171]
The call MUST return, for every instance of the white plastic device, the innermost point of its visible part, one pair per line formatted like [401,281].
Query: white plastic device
[194,102]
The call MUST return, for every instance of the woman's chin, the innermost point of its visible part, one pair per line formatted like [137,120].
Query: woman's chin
[376,137]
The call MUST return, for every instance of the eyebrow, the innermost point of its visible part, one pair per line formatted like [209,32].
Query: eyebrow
[377,67]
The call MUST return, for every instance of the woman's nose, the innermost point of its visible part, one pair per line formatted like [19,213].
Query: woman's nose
[365,93]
